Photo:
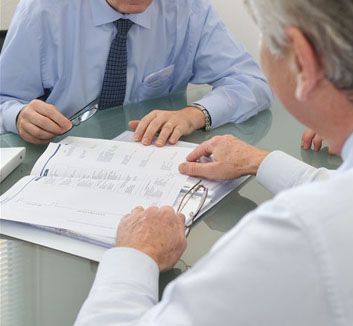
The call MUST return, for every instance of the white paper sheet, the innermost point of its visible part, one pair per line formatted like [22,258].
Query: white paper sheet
[88,185]
[102,159]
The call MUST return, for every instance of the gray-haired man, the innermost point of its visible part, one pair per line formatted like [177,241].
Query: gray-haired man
[290,261]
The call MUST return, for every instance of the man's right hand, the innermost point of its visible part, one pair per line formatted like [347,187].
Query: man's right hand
[230,158]
[39,122]
[157,232]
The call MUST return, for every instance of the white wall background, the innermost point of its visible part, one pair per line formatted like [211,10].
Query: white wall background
[7,8]
[232,12]
[237,19]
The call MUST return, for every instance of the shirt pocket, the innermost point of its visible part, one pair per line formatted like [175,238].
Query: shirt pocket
[157,84]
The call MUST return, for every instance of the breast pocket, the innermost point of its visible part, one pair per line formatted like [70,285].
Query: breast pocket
[157,84]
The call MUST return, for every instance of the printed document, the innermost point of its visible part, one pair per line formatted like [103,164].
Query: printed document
[86,187]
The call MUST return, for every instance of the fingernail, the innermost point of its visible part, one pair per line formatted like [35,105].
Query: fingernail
[182,168]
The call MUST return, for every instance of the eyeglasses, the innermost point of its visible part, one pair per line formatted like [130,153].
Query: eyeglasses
[84,114]
[192,203]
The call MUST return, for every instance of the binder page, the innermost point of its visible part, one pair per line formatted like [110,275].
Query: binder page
[105,159]
[217,190]
[87,206]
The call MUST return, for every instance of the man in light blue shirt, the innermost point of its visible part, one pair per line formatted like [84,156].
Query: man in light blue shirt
[59,49]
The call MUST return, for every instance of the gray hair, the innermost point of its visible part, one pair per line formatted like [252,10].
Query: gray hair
[327,24]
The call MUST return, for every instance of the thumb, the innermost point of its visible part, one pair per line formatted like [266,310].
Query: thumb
[182,217]
[133,124]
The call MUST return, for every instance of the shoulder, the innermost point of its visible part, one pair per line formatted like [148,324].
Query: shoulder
[191,6]
[194,14]
[41,9]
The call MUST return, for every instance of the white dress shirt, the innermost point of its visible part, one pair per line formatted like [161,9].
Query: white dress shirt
[289,262]
[60,48]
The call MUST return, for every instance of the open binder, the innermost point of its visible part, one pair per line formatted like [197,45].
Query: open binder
[81,188]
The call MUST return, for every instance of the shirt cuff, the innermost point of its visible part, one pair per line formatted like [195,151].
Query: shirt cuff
[127,265]
[218,108]
[10,110]
[280,171]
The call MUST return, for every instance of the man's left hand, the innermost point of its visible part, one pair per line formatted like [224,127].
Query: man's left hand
[170,125]
[311,138]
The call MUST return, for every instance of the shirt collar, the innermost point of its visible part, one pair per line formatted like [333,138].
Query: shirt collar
[102,14]
[347,150]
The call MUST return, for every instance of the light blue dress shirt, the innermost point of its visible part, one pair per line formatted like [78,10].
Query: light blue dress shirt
[62,46]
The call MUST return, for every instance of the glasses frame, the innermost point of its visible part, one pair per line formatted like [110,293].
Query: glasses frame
[78,117]
[186,198]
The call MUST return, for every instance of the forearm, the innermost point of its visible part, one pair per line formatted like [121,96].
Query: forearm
[239,87]
[126,287]
[236,99]
[280,171]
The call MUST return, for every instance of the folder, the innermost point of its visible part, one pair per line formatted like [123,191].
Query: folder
[81,187]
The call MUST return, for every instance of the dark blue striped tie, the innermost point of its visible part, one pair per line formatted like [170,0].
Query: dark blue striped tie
[114,82]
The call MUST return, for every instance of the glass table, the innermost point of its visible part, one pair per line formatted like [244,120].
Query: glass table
[43,286]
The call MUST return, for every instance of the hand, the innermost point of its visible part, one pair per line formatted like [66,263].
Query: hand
[231,158]
[310,138]
[157,232]
[39,122]
[171,125]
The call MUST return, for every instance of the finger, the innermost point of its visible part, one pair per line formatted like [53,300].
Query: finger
[133,124]
[307,138]
[164,134]
[152,129]
[51,112]
[205,149]
[26,136]
[317,141]
[138,209]
[201,170]
[44,123]
[177,133]
[152,211]
[182,218]
[142,126]
[36,132]
[167,210]
[134,213]
[331,151]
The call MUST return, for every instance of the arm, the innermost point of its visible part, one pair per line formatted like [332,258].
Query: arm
[280,171]
[239,87]
[126,285]
[233,158]
[21,79]
[263,264]
[20,66]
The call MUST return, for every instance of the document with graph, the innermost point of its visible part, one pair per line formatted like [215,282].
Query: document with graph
[86,187]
